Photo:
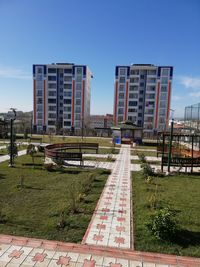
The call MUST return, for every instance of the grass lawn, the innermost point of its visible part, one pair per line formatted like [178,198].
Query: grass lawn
[4,151]
[99,159]
[146,153]
[35,210]
[151,162]
[182,192]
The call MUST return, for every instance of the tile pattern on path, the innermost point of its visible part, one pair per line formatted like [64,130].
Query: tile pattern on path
[110,224]
[29,252]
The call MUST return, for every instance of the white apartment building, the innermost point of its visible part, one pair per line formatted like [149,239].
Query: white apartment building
[143,95]
[61,96]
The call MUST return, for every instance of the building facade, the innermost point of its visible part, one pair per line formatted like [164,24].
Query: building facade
[101,121]
[143,95]
[61,97]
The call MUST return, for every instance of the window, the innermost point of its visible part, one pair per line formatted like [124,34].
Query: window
[39,100]
[51,123]
[121,87]
[78,102]
[162,112]
[39,107]
[121,103]
[140,107]
[51,70]
[39,70]
[67,86]
[52,108]
[61,90]
[162,120]
[150,96]
[52,101]
[78,109]
[134,72]
[67,101]
[39,92]
[79,70]
[52,116]
[141,84]
[134,80]
[67,116]
[77,116]
[39,115]
[164,80]
[151,80]
[51,78]
[139,114]
[120,111]
[61,97]
[165,72]
[78,94]
[151,88]
[120,118]
[133,88]
[121,95]
[79,78]
[68,79]
[163,96]
[52,93]
[52,85]
[163,88]
[140,99]
[151,72]
[67,123]
[131,95]
[67,70]
[122,79]
[142,77]
[132,110]
[132,103]
[78,86]
[122,71]
[162,104]
[67,109]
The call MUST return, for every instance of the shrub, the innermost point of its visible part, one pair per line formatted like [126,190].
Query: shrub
[142,158]
[147,170]
[163,224]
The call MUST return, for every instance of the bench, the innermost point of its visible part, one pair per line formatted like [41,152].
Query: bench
[70,156]
[79,146]
[31,139]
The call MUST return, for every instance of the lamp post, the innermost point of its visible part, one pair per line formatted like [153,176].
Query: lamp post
[11,163]
[170,142]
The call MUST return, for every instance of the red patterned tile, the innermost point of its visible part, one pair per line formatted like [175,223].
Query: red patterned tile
[101,226]
[98,237]
[39,257]
[119,240]
[107,203]
[105,210]
[122,211]
[115,264]
[120,228]
[109,198]
[122,205]
[16,254]
[103,217]
[64,261]
[122,199]
[89,263]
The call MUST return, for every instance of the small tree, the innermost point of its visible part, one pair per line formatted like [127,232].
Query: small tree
[31,150]
[163,224]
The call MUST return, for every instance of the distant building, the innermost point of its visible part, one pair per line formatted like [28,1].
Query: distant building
[61,96]
[143,96]
[101,121]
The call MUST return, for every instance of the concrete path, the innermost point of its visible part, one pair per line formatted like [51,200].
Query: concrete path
[29,252]
[110,224]
[7,157]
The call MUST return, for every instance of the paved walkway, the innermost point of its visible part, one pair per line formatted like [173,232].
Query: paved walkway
[7,157]
[110,225]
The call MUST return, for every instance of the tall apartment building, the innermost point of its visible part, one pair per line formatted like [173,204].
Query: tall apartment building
[61,96]
[143,95]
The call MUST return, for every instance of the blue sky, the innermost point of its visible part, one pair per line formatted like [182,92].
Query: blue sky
[100,34]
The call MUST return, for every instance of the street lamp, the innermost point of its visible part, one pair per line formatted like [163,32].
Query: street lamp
[170,141]
[11,163]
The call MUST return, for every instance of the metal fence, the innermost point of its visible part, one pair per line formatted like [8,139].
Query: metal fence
[192,116]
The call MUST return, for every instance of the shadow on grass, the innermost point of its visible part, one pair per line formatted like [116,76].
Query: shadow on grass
[2,176]
[187,238]
[31,164]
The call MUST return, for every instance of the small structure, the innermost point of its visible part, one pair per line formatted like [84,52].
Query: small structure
[127,133]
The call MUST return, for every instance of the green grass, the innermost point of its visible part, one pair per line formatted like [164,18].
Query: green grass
[4,151]
[100,159]
[182,192]
[151,162]
[34,211]
[146,153]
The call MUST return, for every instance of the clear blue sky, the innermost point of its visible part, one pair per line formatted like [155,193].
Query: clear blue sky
[100,34]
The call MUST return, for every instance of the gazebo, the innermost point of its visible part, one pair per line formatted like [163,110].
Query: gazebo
[126,133]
